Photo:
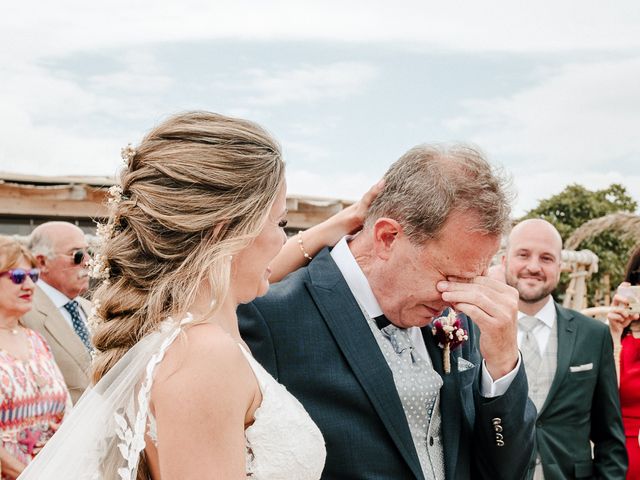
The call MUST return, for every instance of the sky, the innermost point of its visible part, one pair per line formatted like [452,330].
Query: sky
[550,91]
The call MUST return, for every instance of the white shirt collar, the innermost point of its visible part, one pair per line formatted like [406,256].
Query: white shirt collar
[58,298]
[353,275]
[547,314]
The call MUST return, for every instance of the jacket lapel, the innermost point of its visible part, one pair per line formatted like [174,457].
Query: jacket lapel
[566,342]
[453,397]
[353,336]
[59,329]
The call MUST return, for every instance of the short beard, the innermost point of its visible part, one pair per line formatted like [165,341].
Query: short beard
[535,298]
[530,299]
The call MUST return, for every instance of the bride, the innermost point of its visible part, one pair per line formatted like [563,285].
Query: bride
[195,223]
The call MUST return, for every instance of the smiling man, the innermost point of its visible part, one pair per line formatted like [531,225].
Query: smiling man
[569,363]
[350,335]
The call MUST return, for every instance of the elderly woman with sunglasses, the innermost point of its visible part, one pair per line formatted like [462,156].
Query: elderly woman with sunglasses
[33,395]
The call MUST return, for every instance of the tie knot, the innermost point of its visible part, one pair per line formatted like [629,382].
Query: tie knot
[528,323]
[71,306]
[381,321]
[399,338]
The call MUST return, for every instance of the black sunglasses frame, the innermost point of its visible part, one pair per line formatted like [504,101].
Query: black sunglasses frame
[78,255]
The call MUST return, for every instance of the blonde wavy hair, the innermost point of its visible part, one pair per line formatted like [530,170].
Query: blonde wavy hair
[12,251]
[196,190]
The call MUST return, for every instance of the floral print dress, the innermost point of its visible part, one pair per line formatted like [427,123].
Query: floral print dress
[33,395]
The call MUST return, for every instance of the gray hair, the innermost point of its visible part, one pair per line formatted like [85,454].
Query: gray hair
[430,182]
[40,243]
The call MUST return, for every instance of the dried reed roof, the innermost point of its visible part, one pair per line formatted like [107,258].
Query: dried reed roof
[627,225]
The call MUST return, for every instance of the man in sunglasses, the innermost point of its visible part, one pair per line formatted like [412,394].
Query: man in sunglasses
[59,313]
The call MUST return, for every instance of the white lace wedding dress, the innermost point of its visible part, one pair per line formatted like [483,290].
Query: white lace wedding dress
[103,436]
[283,442]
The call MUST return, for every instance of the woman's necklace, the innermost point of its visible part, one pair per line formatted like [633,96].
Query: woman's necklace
[14,330]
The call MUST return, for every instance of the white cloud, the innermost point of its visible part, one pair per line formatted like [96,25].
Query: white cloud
[139,74]
[37,29]
[40,118]
[344,186]
[48,116]
[567,127]
[51,150]
[582,118]
[34,90]
[533,187]
[307,84]
[311,152]
[578,124]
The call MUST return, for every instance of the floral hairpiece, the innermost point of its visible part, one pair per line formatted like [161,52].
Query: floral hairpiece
[115,195]
[127,153]
[94,320]
[449,334]
[98,265]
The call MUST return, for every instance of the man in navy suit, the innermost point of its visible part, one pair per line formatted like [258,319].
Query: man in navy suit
[350,335]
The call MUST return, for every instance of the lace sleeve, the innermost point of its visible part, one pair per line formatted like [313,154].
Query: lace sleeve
[103,435]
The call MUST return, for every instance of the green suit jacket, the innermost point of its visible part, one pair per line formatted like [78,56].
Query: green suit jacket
[582,405]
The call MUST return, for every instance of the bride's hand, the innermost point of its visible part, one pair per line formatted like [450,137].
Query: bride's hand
[351,219]
[325,234]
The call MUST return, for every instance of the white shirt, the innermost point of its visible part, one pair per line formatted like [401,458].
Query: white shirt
[361,290]
[59,299]
[547,316]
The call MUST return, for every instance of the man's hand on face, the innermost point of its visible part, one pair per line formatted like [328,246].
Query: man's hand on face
[493,307]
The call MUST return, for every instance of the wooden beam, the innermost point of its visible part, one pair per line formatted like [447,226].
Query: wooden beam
[78,201]
[84,201]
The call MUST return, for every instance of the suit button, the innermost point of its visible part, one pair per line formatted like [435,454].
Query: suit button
[499,436]
[431,441]
[497,428]
[496,421]
[500,443]
[538,424]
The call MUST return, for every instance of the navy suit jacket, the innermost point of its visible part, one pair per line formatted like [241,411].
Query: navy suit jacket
[310,334]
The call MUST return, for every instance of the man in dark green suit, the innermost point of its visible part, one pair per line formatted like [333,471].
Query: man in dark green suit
[351,334]
[569,363]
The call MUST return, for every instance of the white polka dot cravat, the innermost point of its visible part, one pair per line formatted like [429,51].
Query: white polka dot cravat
[418,386]
[78,324]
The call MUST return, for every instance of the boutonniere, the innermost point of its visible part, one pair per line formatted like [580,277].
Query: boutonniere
[449,334]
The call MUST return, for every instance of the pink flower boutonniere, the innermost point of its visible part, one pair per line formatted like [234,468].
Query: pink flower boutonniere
[449,334]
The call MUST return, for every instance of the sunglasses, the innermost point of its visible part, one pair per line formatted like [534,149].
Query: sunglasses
[78,255]
[19,275]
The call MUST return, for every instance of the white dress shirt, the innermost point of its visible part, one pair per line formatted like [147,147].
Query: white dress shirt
[59,299]
[547,316]
[361,290]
